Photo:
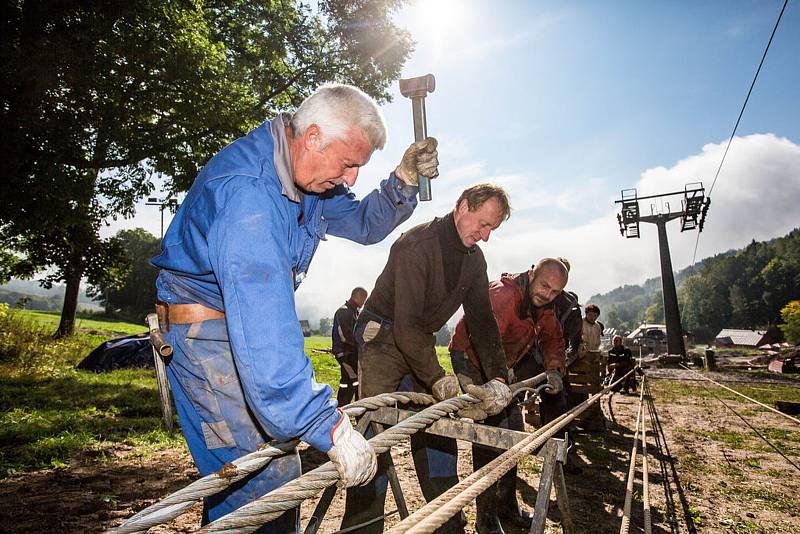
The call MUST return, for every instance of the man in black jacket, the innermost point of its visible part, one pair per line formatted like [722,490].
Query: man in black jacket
[432,270]
[345,348]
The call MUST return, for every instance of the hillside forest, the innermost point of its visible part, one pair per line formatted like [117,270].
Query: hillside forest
[744,288]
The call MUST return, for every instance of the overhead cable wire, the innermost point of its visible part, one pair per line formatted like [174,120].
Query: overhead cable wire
[754,429]
[741,112]
[770,408]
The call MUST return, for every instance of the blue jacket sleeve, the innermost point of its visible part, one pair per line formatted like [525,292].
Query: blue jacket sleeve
[250,253]
[372,218]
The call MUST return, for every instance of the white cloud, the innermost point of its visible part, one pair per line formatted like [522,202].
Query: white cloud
[757,196]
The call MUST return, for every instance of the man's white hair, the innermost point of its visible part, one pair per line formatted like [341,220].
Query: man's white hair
[336,108]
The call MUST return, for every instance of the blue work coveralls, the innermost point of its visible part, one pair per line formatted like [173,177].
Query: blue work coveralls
[241,242]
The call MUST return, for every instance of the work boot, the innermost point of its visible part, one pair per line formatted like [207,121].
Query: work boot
[486,520]
[507,505]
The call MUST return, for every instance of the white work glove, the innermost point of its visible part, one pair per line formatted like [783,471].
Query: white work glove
[420,158]
[353,456]
[445,388]
[494,396]
[554,383]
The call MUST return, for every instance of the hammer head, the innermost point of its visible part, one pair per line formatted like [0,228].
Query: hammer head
[417,87]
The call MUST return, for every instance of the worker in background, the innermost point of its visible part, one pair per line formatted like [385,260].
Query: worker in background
[432,270]
[344,346]
[237,249]
[568,311]
[620,361]
[533,342]
[592,331]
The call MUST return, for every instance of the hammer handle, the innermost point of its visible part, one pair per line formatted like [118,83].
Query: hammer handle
[157,339]
[420,133]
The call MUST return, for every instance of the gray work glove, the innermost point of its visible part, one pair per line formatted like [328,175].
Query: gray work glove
[353,456]
[445,388]
[494,396]
[420,158]
[554,383]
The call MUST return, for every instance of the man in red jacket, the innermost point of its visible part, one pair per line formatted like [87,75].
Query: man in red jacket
[533,341]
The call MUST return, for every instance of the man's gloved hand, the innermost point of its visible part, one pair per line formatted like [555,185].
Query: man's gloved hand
[554,383]
[445,388]
[420,158]
[494,396]
[353,456]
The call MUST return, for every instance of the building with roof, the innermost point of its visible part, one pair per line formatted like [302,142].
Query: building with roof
[732,337]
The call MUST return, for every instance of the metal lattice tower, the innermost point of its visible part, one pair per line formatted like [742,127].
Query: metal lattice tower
[694,208]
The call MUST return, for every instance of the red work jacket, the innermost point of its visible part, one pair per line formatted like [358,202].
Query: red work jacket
[519,331]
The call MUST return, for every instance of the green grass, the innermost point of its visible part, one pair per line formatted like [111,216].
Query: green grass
[85,322]
[54,416]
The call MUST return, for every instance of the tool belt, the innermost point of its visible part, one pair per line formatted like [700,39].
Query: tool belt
[169,314]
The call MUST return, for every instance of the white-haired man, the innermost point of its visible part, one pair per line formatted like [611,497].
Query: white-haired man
[239,246]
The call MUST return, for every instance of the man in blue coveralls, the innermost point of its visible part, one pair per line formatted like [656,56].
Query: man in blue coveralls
[237,249]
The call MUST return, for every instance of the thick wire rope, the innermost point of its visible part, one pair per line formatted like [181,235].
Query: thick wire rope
[180,501]
[625,525]
[770,408]
[648,526]
[754,429]
[266,508]
[434,514]
[741,112]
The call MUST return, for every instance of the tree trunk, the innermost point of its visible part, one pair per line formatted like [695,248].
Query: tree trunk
[73,278]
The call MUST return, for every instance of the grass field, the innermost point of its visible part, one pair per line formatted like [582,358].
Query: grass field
[52,415]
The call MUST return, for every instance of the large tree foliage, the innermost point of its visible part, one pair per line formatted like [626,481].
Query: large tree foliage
[97,97]
[738,289]
[133,297]
[747,289]
[791,319]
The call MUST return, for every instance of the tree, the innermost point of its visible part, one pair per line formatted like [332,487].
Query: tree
[132,299]
[325,326]
[97,97]
[791,318]
[443,336]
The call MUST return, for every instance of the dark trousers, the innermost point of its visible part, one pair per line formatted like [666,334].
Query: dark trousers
[383,369]
[348,383]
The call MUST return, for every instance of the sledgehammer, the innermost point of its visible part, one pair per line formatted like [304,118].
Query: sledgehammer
[417,89]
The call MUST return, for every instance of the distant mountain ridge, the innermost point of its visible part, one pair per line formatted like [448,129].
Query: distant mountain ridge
[739,288]
[40,298]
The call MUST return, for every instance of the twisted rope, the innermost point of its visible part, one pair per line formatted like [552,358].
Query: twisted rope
[648,528]
[770,408]
[434,514]
[251,516]
[626,511]
[179,502]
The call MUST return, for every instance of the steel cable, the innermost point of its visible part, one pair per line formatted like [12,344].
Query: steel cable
[787,416]
[179,502]
[252,515]
[434,514]
[626,509]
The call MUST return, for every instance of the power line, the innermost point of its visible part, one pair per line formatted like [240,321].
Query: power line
[741,112]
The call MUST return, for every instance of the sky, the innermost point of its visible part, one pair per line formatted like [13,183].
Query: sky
[566,104]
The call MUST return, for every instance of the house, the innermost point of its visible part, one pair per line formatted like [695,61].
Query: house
[732,337]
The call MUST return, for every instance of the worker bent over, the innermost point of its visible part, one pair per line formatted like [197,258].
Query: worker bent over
[432,270]
[239,246]
[532,341]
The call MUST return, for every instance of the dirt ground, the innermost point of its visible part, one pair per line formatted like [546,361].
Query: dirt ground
[709,472]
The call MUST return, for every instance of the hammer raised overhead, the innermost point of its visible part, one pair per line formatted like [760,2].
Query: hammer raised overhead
[417,89]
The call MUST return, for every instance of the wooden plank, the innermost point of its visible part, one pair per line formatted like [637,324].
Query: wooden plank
[563,501]
[550,450]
